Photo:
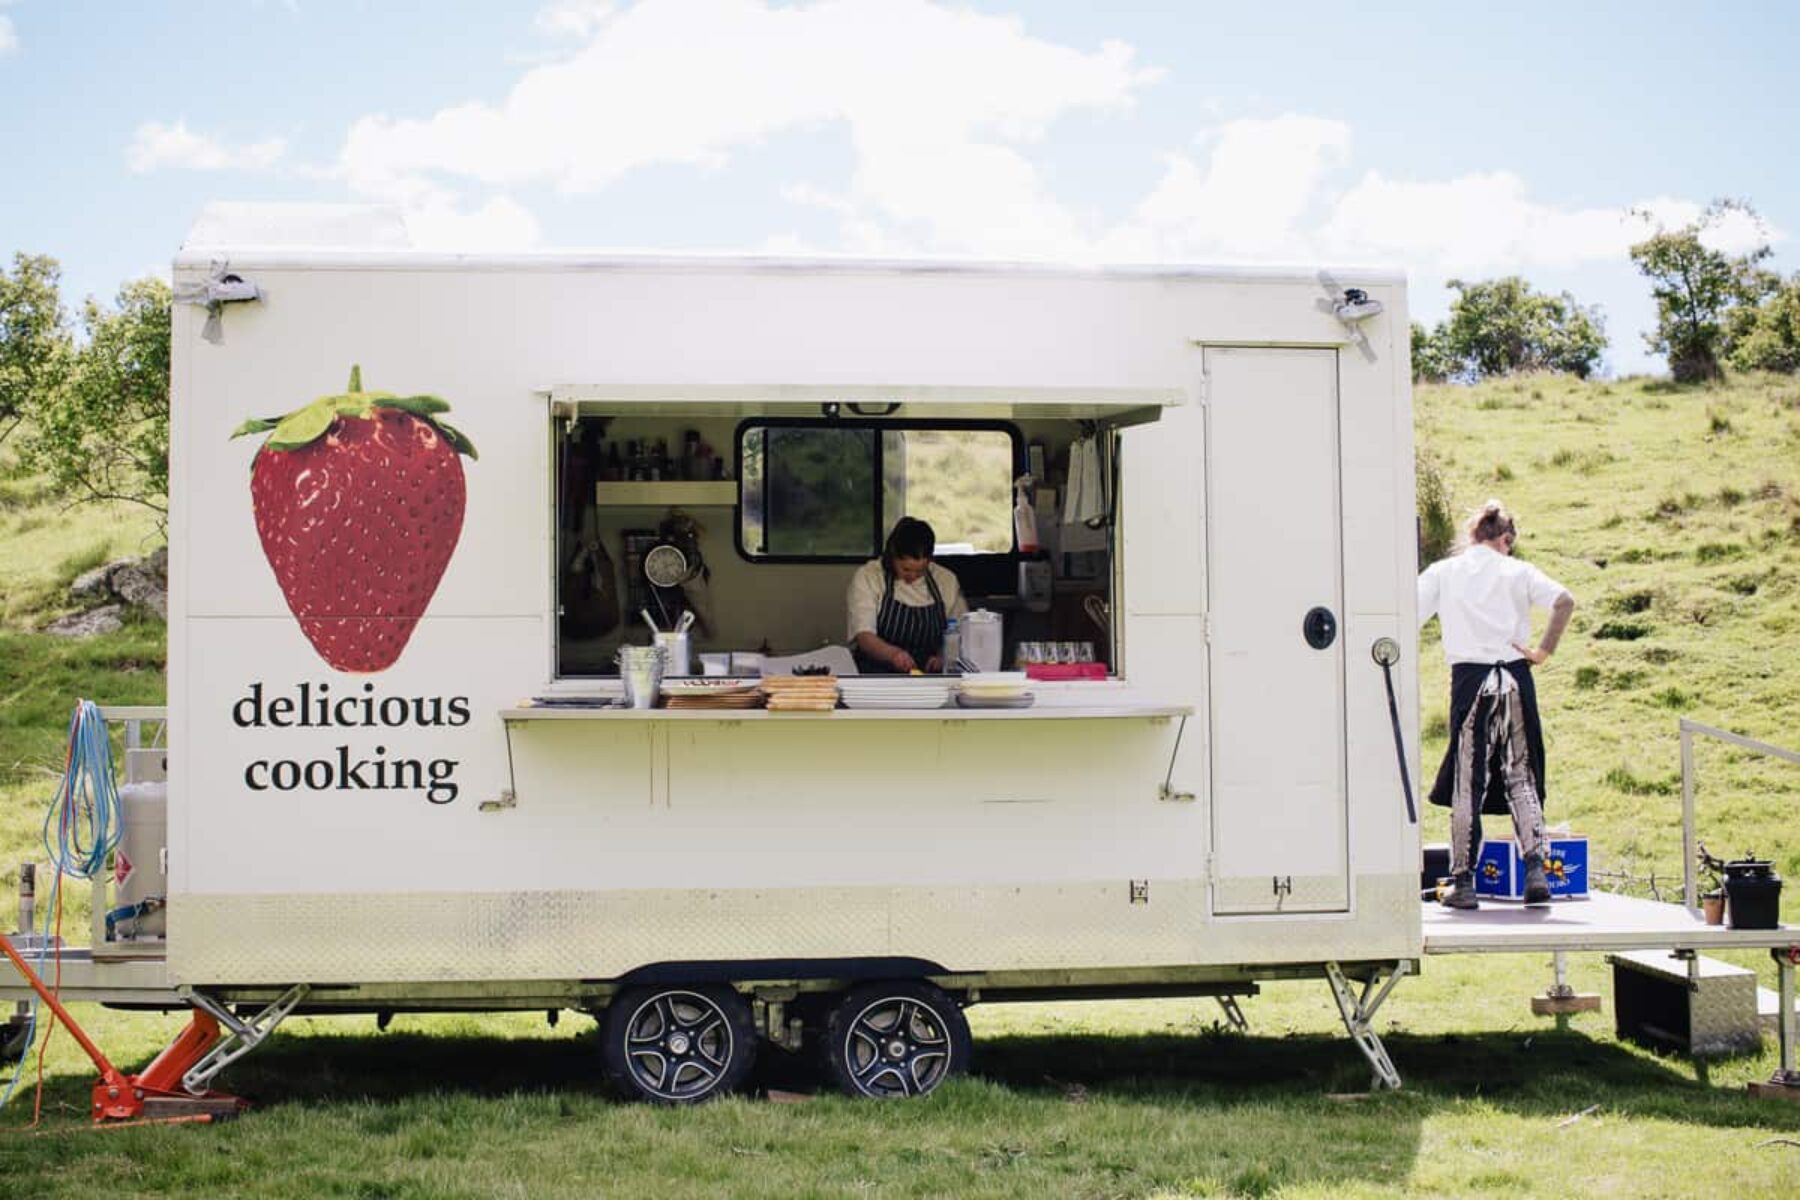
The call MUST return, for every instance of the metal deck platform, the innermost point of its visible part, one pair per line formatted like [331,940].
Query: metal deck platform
[1603,922]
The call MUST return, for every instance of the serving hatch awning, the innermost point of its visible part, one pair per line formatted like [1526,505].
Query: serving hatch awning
[1108,406]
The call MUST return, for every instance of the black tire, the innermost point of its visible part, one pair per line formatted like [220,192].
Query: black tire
[888,1040]
[677,1045]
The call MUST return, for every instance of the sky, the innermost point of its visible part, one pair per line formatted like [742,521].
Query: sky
[1447,140]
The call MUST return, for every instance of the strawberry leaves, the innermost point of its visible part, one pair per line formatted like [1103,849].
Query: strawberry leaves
[306,425]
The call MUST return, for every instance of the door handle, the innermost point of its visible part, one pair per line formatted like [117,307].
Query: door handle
[1320,628]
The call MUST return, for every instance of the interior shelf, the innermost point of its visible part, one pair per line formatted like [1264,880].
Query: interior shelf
[698,493]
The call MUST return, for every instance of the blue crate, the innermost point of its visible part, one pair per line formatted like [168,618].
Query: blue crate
[1500,871]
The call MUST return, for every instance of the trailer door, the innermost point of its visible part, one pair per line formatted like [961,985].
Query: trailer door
[1274,596]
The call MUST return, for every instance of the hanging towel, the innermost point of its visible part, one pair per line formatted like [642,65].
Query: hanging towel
[1085,506]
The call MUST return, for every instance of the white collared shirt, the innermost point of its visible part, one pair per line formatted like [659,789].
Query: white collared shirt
[1483,599]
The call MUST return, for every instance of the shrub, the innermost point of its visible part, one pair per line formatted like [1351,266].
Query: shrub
[1622,631]
[1621,778]
[1437,524]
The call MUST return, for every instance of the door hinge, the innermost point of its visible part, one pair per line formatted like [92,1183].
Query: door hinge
[1206,632]
[1284,885]
[1140,891]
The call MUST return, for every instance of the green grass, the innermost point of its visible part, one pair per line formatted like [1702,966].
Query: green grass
[1620,487]
[45,542]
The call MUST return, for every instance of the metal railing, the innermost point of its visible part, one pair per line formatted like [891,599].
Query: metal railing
[1689,843]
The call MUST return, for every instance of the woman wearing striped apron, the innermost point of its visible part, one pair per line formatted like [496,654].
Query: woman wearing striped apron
[900,603]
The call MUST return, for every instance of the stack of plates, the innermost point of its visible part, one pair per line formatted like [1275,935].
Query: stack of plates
[894,691]
[711,693]
[994,689]
[801,693]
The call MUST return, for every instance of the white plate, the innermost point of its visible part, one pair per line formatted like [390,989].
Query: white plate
[989,679]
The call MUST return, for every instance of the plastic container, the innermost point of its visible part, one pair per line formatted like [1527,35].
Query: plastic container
[1752,894]
[952,652]
[982,636]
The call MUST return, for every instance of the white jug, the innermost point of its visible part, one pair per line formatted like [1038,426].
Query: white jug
[982,636]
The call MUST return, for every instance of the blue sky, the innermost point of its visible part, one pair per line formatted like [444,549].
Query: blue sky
[1443,139]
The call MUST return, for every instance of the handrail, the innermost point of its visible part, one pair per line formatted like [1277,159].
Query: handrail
[1689,846]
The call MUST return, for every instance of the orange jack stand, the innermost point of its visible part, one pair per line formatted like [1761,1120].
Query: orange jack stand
[157,1091]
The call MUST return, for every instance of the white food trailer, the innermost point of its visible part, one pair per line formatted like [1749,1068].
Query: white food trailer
[371,809]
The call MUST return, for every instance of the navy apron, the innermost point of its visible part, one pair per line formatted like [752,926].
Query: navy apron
[917,629]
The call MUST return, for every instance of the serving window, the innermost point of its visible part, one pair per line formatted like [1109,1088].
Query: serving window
[773,509]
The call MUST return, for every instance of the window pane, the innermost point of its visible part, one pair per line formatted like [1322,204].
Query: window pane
[959,481]
[809,492]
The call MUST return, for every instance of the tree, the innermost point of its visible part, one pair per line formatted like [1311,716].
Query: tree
[1766,336]
[103,434]
[1499,326]
[1696,288]
[1432,361]
[34,337]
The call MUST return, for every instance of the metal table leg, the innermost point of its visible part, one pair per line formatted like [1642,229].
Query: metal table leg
[1784,974]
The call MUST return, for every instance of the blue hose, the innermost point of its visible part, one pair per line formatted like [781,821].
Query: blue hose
[81,831]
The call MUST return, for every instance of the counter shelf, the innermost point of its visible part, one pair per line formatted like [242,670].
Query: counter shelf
[526,714]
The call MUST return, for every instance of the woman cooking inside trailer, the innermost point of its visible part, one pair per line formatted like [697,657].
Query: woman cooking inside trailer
[899,604]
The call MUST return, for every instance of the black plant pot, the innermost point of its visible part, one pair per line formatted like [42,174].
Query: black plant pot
[1753,894]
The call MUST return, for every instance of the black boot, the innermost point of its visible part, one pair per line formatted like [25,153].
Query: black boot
[1462,892]
[1537,884]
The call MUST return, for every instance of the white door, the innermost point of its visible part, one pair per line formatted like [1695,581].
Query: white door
[1274,594]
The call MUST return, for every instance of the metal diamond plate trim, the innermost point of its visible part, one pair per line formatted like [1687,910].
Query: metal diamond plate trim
[448,937]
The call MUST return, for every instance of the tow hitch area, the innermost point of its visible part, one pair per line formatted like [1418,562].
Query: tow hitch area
[156,1094]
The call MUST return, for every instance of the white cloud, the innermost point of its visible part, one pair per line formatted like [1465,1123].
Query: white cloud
[1249,200]
[9,36]
[573,18]
[937,104]
[1475,223]
[156,145]
[438,222]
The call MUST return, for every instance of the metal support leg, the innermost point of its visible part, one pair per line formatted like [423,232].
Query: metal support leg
[243,1036]
[1784,975]
[1234,1016]
[1358,1010]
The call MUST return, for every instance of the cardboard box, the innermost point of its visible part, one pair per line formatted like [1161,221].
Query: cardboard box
[1500,871]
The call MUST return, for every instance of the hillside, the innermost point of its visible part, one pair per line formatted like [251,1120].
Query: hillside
[1673,514]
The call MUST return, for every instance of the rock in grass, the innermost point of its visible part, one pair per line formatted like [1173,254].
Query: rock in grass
[89,624]
[95,584]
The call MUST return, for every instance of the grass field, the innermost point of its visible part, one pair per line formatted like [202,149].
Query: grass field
[1674,515]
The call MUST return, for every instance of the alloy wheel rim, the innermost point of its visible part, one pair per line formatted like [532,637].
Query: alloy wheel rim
[897,1046]
[678,1046]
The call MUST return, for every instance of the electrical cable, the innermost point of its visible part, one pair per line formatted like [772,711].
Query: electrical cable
[87,819]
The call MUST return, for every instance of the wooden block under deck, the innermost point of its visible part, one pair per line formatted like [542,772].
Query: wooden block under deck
[1560,1006]
[1774,1091]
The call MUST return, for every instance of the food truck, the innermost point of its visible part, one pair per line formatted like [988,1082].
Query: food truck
[401,772]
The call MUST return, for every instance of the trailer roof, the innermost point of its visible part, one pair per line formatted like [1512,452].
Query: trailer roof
[370,237]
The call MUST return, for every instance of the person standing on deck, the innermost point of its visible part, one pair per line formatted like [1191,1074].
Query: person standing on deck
[1483,598]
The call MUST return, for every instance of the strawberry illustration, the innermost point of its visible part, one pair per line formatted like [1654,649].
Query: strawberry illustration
[359,504]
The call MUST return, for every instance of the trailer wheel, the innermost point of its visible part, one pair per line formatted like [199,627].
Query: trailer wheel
[896,1039]
[678,1045]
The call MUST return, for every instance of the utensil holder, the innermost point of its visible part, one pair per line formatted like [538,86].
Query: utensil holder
[677,657]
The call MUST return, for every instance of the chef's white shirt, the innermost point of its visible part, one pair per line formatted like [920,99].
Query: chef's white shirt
[870,582]
[1483,599]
